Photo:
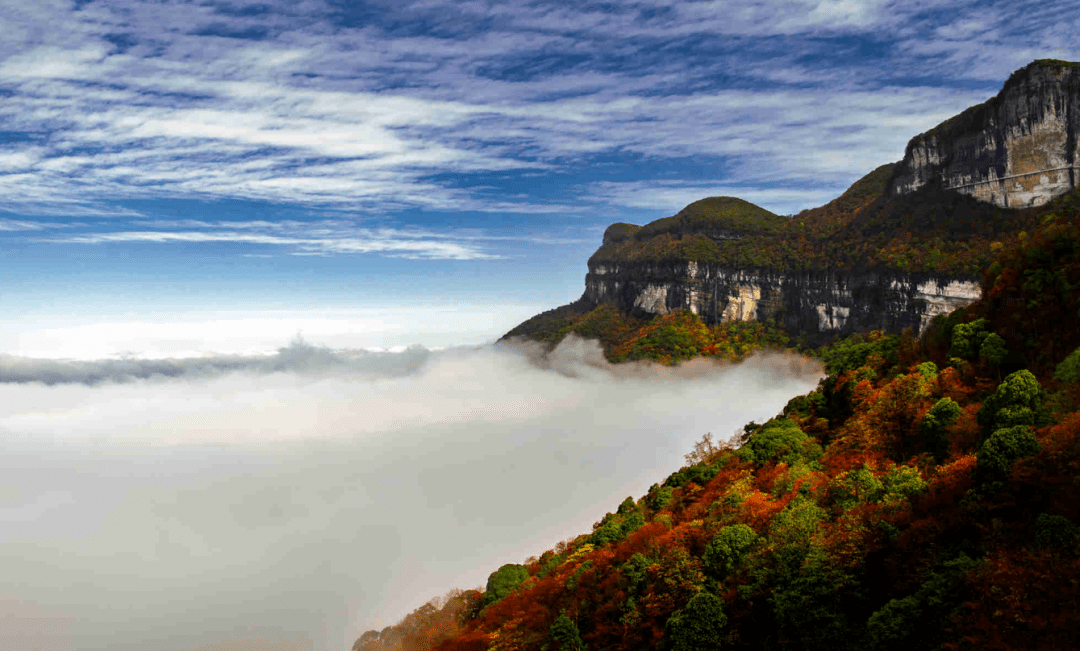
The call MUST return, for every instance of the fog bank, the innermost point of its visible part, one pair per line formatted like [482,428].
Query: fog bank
[293,501]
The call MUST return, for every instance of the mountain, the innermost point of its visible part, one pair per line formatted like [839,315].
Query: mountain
[924,496]
[906,243]
[1018,149]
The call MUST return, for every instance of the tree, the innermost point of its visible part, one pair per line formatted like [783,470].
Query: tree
[1017,401]
[698,626]
[932,428]
[997,454]
[565,635]
[993,351]
[967,338]
[728,548]
[858,486]
[1055,532]
[502,582]
[1068,371]
[706,450]
[780,439]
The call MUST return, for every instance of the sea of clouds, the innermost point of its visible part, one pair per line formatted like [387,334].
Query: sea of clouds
[294,500]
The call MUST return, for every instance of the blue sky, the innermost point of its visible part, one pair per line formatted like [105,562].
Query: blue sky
[165,160]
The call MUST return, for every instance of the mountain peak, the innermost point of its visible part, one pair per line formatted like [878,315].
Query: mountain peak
[1018,149]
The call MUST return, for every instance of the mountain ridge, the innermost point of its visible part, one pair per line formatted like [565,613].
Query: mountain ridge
[900,246]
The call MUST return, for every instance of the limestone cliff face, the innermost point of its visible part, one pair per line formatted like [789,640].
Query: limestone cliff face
[1018,150]
[821,303]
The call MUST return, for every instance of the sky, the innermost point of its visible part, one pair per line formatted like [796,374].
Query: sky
[292,162]
[253,257]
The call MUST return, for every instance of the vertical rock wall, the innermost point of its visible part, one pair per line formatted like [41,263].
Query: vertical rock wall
[1017,150]
[818,302]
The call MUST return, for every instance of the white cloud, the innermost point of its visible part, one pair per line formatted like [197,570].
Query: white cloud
[214,117]
[300,505]
[169,334]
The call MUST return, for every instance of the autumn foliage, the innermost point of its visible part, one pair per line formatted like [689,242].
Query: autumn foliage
[924,496]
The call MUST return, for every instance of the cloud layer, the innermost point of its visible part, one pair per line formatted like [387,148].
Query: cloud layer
[302,506]
[368,109]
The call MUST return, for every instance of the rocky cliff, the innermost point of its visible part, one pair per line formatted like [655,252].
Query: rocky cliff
[1018,149]
[906,243]
[808,302]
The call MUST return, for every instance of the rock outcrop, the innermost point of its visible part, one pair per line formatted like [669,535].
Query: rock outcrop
[1019,149]
[821,303]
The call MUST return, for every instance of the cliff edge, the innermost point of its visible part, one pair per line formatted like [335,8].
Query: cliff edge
[1017,149]
[906,243]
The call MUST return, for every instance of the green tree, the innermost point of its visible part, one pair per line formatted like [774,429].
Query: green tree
[1018,400]
[932,428]
[916,621]
[502,582]
[998,453]
[902,483]
[636,570]
[928,370]
[993,351]
[817,606]
[858,486]
[780,439]
[1068,371]
[698,626]
[658,497]
[727,549]
[892,627]
[1055,532]
[967,338]
[565,635]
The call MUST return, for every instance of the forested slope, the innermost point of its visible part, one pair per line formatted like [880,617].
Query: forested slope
[926,495]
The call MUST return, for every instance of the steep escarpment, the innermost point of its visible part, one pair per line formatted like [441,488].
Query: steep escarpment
[906,243]
[1017,149]
[866,261]
[817,302]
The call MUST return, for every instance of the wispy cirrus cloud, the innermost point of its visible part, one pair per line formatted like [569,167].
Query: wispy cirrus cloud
[324,237]
[390,109]
[300,239]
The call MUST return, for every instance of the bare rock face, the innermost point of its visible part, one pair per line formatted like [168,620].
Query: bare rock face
[822,303]
[1018,149]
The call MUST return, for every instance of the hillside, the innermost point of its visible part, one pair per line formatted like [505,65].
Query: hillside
[924,496]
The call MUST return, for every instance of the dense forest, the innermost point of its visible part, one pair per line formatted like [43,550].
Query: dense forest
[935,232]
[925,496]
